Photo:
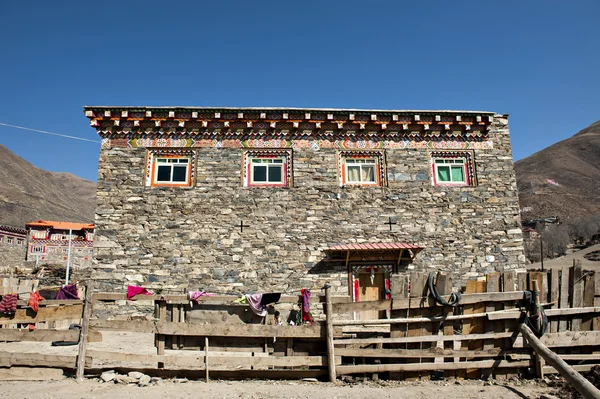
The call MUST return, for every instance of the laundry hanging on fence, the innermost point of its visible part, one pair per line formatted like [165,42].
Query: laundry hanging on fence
[132,291]
[8,305]
[194,295]
[34,300]
[306,316]
[258,302]
[68,292]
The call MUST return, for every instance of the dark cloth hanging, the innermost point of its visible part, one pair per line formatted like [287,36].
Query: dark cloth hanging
[306,316]
[68,292]
[8,305]
[269,298]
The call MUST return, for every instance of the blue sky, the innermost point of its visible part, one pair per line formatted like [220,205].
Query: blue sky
[538,61]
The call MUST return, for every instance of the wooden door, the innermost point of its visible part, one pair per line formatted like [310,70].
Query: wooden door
[371,291]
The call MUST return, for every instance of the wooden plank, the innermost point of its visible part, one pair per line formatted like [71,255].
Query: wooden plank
[216,300]
[53,313]
[577,290]
[83,341]
[383,304]
[241,330]
[200,359]
[400,285]
[476,365]
[52,302]
[577,367]
[522,281]
[555,295]
[415,353]
[329,334]
[565,339]
[424,338]
[443,283]
[493,315]
[492,285]
[31,374]
[145,326]
[42,335]
[576,380]
[588,299]
[563,301]
[509,281]
[467,299]
[162,317]
[9,359]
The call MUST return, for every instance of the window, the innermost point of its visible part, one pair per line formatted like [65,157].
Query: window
[9,240]
[40,234]
[1,238]
[171,168]
[452,168]
[361,168]
[37,248]
[268,168]
[19,241]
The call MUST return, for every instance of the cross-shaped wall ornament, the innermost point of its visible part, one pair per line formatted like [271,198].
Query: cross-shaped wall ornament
[390,223]
[242,225]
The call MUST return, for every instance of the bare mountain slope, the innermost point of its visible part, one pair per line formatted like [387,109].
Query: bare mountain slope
[28,193]
[564,179]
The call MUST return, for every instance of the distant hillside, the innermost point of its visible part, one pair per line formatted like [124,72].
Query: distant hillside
[562,180]
[28,193]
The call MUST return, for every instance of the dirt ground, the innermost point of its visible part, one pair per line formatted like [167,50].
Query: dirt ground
[272,389]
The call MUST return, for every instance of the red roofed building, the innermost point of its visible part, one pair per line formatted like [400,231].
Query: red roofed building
[50,241]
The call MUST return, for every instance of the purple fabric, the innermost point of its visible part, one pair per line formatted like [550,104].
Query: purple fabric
[194,295]
[68,292]
[254,302]
[305,299]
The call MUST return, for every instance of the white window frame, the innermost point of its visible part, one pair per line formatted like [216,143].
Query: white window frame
[268,163]
[9,240]
[37,248]
[361,162]
[450,163]
[279,158]
[173,161]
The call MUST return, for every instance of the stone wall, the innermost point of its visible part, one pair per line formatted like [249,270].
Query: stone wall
[12,255]
[173,238]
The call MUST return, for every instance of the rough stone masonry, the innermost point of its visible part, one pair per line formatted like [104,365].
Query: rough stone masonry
[175,237]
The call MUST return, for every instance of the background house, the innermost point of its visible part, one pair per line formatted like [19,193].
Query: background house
[272,199]
[49,242]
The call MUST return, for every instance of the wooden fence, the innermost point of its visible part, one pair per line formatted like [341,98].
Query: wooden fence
[420,340]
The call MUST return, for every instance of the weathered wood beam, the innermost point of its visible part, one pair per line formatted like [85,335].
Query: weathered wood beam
[381,368]
[576,380]
[416,353]
[49,313]
[40,335]
[424,338]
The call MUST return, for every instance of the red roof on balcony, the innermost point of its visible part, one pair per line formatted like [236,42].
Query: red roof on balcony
[375,246]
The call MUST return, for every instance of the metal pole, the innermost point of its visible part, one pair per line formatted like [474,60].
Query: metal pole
[69,258]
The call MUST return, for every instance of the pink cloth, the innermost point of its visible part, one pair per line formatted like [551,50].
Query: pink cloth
[254,302]
[194,295]
[133,291]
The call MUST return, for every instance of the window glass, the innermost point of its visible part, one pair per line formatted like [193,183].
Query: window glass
[179,173]
[164,173]
[443,173]
[260,173]
[275,174]
[458,174]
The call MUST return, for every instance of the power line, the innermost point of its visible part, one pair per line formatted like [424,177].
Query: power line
[51,133]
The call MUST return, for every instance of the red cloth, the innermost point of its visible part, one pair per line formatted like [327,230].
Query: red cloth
[8,305]
[132,291]
[34,300]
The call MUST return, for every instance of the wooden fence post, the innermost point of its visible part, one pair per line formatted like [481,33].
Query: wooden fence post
[206,357]
[87,307]
[329,328]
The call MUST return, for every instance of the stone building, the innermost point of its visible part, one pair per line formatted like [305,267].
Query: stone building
[49,242]
[276,199]
[13,244]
